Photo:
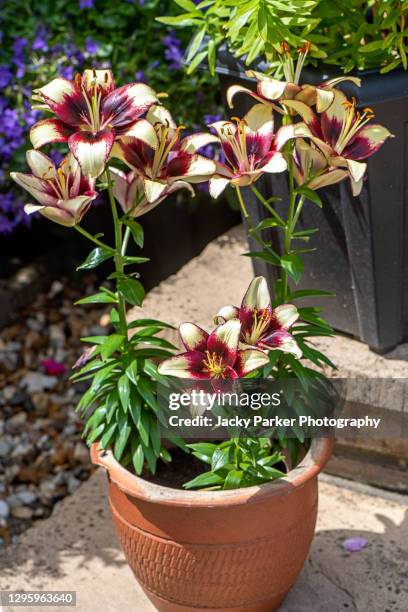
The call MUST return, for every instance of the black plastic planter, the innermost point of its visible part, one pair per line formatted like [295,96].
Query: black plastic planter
[362,252]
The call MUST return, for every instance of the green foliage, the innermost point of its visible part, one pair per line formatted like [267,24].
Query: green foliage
[237,463]
[350,34]
[120,403]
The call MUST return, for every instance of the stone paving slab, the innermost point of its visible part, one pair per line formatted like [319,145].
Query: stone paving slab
[76,549]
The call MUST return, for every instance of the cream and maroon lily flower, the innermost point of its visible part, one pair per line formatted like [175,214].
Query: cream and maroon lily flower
[250,147]
[128,189]
[344,135]
[311,169]
[274,92]
[90,113]
[64,193]
[213,356]
[262,326]
[162,157]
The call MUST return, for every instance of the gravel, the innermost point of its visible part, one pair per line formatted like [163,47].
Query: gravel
[42,456]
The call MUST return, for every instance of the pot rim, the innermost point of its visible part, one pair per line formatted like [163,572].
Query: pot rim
[314,461]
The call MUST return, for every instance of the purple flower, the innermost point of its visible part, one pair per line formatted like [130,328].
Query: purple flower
[5,76]
[19,46]
[354,544]
[6,225]
[52,367]
[91,46]
[56,156]
[85,4]
[67,72]
[173,52]
[212,118]
[140,76]
[40,40]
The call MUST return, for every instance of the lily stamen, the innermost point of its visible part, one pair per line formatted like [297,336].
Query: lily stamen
[214,364]
[353,121]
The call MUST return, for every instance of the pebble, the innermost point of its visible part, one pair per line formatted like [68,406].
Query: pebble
[4,509]
[57,336]
[72,484]
[8,392]
[22,512]
[27,497]
[16,421]
[5,447]
[81,453]
[34,382]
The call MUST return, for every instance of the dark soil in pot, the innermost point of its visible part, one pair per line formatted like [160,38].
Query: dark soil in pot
[179,470]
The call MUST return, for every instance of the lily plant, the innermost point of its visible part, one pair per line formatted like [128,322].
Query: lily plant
[123,141]
[100,124]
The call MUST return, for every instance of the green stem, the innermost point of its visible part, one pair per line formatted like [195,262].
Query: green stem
[125,241]
[119,268]
[297,213]
[101,244]
[247,218]
[266,204]
[243,208]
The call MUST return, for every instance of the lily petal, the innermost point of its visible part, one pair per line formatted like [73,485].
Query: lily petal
[153,189]
[120,186]
[367,141]
[56,91]
[40,189]
[226,314]
[217,185]
[257,295]
[192,168]
[276,163]
[101,78]
[332,119]
[47,131]
[236,89]
[144,131]
[271,89]
[193,337]
[185,365]
[78,206]
[53,213]
[282,340]
[92,150]
[331,177]
[357,169]
[40,164]
[259,119]
[223,341]
[283,135]
[192,143]
[159,114]
[249,360]
[285,315]
[307,114]
[125,104]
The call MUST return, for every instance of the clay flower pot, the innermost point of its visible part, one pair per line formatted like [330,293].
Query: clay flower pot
[234,551]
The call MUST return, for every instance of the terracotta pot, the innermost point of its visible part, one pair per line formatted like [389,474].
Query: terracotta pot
[235,551]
